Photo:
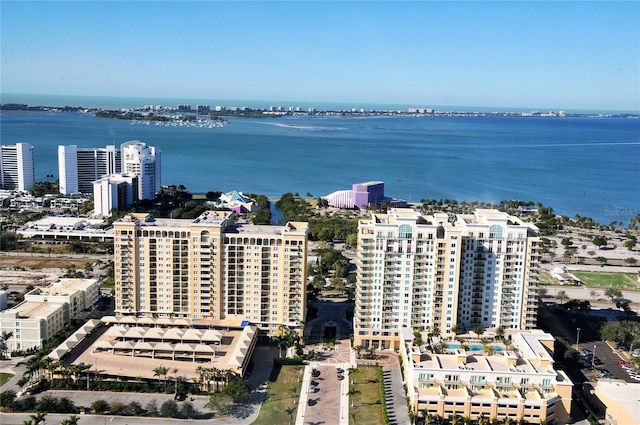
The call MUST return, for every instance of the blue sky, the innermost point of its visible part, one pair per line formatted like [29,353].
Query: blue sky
[543,54]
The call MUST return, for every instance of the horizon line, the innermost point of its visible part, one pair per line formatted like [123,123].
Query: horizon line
[392,105]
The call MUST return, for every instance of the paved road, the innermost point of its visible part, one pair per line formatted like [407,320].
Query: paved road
[584,293]
[16,366]
[324,405]
[397,409]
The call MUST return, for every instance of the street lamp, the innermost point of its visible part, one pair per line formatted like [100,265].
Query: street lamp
[593,358]
[578,338]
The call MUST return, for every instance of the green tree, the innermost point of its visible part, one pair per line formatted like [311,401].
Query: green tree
[65,405]
[48,404]
[7,398]
[542,292]
[161,371]
[566,242]
[8,240]
[237,390]
[136,408]
[613,331]
[613,293]
[186,410]
[289,411]
[478,330]
[116,408]
[600,240]
[100,406]
[352,240]
[169,409]
[455,330]
[71,420]
[152,408]
[562,296]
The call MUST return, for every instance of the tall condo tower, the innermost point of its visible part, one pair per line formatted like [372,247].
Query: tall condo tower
[211,269]
[17,170]
[80,167]
[443,270]
[143,161]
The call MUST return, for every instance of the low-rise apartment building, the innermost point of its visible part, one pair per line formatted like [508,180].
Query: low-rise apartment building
[45,311]
[516,380]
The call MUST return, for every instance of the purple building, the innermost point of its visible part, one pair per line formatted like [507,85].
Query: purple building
[365,194]
[361,196]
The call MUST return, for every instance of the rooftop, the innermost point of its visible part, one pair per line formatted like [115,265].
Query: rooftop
[32,309]
[65,286]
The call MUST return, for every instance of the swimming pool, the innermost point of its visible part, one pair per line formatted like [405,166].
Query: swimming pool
[472,347]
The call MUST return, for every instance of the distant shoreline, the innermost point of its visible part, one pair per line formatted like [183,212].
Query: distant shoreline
[146,113]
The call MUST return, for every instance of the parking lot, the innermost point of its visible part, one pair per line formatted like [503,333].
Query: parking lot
[323,400]
[606,362]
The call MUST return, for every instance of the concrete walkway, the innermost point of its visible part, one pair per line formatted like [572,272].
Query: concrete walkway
[397,410]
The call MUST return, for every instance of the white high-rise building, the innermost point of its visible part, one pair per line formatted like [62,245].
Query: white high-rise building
[443,270]
[115,191]
[17,170]
[80,167]
[143,161]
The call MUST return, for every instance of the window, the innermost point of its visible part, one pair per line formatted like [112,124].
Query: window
[405,232]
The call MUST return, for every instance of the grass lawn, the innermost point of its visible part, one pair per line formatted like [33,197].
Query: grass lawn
[280,397]
[545,279]
[367,407]
[607,280]
[4,377]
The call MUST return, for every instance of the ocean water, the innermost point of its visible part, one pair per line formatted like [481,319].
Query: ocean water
[586,166]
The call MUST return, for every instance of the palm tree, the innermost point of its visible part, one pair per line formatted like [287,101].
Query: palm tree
[289,411]
[159,372]
[216,374]
[71,420]
[175,378]
[562,296]
[38,417]
[455,330]
[201,373]
[351,393]
[435,331]
[478,330]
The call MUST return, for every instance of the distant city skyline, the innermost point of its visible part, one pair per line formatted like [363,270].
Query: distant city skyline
[553,55]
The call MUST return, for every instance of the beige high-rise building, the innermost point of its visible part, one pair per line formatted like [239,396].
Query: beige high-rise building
[443,270]
[211,269]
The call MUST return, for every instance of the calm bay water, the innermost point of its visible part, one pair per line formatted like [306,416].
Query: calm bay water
[586,166]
